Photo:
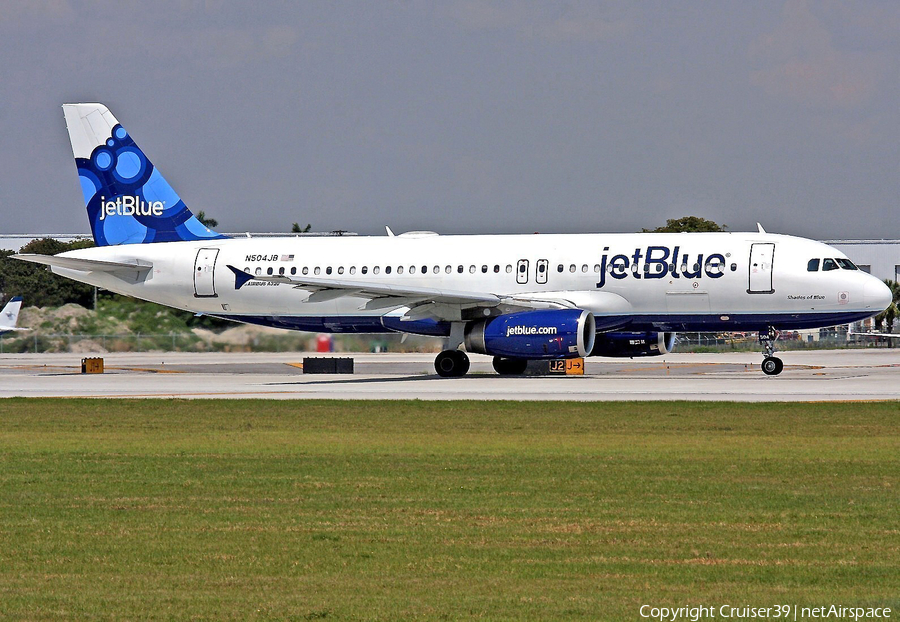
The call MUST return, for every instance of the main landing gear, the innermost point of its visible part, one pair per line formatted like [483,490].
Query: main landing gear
[771,365]
[451,363]
[510,367]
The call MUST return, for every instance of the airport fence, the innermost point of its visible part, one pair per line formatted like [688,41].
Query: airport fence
[37,342]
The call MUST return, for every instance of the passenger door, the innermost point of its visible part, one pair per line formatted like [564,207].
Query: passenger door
[761,259]
[205,272]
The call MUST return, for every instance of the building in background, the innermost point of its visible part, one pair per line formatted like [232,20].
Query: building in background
[880,258]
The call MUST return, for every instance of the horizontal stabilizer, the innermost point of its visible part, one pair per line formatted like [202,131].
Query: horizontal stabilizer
[86,265]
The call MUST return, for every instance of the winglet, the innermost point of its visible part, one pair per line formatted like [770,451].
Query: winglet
[240,277]
[760,227]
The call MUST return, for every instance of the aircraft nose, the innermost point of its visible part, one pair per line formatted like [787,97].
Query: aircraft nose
[877,295]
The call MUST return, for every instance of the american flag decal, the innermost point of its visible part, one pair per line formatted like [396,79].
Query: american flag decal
[287,258]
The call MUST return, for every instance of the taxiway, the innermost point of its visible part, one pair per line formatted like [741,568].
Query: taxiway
[838,375]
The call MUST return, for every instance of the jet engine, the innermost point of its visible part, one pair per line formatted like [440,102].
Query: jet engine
[541,334]
[622,344]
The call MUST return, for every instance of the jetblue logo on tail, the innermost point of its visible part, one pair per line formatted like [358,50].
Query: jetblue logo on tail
[128,201]
[130,206]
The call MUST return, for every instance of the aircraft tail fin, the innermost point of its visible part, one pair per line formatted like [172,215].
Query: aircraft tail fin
[128,201]
[10,314]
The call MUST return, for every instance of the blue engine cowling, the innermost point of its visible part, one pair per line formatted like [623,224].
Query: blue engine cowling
[543,334]
[633,344]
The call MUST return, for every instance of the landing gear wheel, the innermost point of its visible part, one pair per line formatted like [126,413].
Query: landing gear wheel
[772,366]
[510,367]
[451,363]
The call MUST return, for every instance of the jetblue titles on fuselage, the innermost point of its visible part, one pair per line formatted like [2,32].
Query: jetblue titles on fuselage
[657,262]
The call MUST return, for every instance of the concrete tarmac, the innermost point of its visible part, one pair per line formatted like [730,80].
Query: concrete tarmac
[812,375]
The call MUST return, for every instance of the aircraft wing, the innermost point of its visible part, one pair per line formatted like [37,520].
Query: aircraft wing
[423,301]
[85,265]
[889,335]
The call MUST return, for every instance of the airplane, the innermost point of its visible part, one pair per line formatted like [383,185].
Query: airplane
[10,315]
[514,297]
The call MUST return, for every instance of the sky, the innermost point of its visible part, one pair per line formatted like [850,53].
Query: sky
[468,116]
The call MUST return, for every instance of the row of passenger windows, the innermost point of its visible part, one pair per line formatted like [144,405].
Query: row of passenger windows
[830,264]
[377,270]
[541,267]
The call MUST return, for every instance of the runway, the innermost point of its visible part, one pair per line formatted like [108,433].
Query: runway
[835,375]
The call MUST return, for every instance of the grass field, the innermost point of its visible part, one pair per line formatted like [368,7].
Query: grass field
[442,511]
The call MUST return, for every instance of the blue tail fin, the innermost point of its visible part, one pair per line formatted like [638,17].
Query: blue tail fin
[127,199]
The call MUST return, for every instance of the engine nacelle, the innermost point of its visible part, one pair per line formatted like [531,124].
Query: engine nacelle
[542,334]
[633,344]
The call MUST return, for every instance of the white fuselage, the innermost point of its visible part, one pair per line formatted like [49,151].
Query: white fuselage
[646,281]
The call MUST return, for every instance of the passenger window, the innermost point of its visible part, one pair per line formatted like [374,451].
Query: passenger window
[496,268]
[281,271]
[559,268]
[597,267]
[364,269]
[471,269]
[508,268]
[399,269]
[829,264]
[305,271]
[376,270]
[258,271]
[412,269]
[318,270]
[328,270]
[424,269]
[341,270]
[448,269]
[584,268]
[352,269]
[269,271]
[813,265]
[484,269]
[293,271]
[459,269]
[437,269]
[387,269]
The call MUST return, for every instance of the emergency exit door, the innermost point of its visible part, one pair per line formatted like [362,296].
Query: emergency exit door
[543,266]
[761,258]
[205,273]
[522,271]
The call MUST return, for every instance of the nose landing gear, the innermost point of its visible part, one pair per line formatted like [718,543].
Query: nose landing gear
[771,365]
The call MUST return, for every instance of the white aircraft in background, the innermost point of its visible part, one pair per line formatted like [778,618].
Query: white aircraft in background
[10,316]
[516,297]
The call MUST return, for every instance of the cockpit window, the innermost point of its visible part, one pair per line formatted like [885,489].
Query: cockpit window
[813,265]
[846,264]
[829,264]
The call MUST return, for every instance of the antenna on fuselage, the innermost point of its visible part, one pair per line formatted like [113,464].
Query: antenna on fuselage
[760,227]
[389,232]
